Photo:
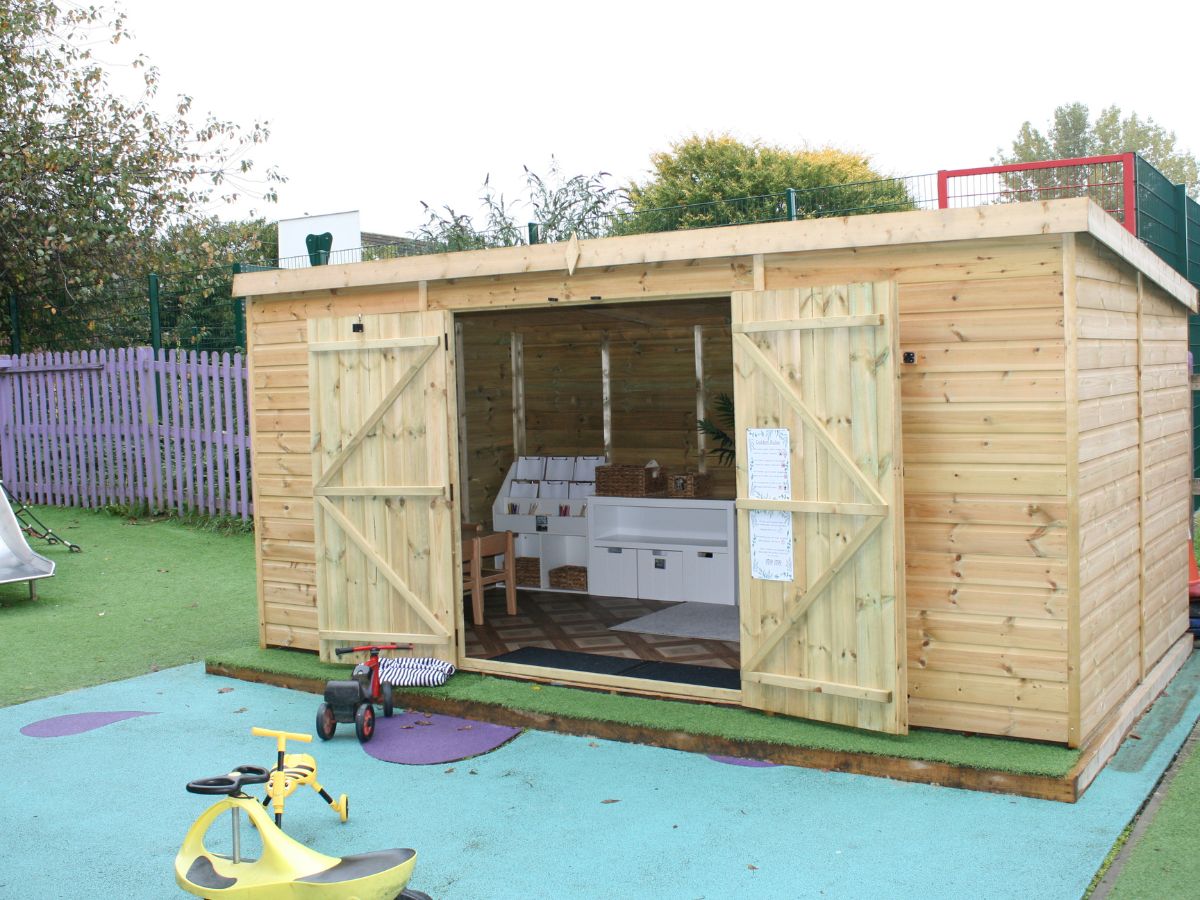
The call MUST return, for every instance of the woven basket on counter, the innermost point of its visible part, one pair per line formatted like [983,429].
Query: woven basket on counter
[529,571]
[688,484]
[570,578]
[629,481]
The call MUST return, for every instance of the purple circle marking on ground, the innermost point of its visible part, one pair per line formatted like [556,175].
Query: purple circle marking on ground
[739,761]
[403,739]
[77,723]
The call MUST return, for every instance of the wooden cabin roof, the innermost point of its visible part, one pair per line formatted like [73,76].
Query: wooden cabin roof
[1080,215]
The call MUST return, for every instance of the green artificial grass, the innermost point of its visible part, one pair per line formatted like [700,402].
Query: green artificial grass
[1166,861]
[144,594]
[979,752]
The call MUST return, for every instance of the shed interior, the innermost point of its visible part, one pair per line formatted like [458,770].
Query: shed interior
[626,381]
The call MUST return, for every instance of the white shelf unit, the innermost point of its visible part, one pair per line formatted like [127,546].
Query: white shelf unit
[552,528]
[662,549]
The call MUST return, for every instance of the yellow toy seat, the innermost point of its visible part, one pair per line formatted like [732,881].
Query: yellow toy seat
[287,870]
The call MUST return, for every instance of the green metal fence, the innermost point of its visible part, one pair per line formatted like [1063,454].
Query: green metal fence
[1162,215]
[187,310]
[1168,221]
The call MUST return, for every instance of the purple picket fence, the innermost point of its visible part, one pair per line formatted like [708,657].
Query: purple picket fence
[129,426]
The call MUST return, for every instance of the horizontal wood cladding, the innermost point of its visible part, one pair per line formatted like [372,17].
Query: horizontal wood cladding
[1032,541]
[983,478]
[1134,439]
[929,626]
[984,659]
[940,417]
[989,690]
[984,417]
[279,634]
[988,718]
[985,599]
[986,509]
[1166,483]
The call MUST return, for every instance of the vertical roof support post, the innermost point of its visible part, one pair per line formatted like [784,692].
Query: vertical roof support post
[943,181]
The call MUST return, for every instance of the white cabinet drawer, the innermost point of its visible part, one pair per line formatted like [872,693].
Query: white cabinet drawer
[708,577]
[612,572]
[660,575]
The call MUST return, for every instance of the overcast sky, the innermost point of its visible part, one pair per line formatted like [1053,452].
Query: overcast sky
[377,106]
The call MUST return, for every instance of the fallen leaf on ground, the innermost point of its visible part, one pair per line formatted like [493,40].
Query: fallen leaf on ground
[449,770]
[752,867]
[593,744]
[240,710]
[610,801]
[465,727]
[423,722]
[224,690]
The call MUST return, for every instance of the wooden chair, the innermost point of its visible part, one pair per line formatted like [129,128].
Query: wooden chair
[478,546]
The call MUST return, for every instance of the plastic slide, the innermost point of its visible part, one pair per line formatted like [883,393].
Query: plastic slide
[17,561]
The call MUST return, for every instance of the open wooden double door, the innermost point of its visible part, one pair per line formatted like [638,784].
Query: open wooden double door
[819,494]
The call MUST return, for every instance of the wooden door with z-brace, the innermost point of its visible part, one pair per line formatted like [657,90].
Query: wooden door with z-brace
[828,644]
[383,423]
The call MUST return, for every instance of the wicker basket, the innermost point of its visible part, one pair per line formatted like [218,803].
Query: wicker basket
[688,484]
[629,481]
[571,578]
[529,571]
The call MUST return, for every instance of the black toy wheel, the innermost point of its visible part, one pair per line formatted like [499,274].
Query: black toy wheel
[364,722]
[410,894]
[326,722]
[385,691]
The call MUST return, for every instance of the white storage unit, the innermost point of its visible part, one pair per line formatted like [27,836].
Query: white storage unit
[547,515]
[662,549]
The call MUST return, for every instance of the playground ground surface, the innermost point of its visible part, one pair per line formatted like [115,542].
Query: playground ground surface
[533,818]
[543,815]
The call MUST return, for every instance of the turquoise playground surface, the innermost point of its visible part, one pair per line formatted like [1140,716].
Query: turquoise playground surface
[102,812]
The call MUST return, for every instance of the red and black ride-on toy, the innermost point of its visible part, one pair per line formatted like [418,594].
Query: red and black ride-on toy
[351,700]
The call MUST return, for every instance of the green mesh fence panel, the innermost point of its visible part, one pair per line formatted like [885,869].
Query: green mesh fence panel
[1158,215]
[1191,211]
[83,319]
[197,311]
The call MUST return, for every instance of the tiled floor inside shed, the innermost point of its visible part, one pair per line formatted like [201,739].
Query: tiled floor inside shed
[581,623]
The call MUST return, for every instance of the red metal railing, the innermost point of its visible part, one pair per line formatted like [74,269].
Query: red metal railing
[1109,180]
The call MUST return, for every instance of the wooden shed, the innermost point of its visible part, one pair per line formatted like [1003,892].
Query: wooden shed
[986,425]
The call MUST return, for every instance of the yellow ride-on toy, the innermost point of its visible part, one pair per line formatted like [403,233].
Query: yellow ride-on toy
[286,870]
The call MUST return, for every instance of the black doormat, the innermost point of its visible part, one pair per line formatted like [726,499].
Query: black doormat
[568,659]
[707,676]
[679,673]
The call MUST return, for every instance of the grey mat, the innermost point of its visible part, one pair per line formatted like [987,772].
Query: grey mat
[709,621]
